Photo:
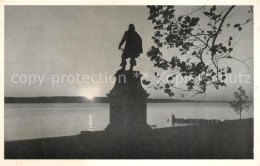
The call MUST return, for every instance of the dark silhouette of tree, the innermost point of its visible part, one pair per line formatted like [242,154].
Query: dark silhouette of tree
[196,45]
[240,102]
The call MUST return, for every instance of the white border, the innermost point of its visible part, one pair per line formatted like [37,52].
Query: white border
[255,162]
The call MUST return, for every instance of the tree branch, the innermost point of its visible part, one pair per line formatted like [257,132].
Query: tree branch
[221,24]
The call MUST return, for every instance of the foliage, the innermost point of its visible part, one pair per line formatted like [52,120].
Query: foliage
[240,102]
[197,50]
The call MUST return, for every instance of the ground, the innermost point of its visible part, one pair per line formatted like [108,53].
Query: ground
[225,140]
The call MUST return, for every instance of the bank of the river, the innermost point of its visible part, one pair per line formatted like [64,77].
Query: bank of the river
[225,140]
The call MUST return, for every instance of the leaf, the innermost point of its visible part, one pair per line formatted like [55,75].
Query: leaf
[158,22]
[223,84]
[169,92]
[194,53]
[229,57]
[170,78]
[145,82]
[229,70]
[179,18]
[237,25]
[167,86]
[207,13]
[187,18]
[190,83]
[212,74]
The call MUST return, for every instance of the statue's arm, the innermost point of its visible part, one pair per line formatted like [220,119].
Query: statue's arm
[141,44]
[122,41]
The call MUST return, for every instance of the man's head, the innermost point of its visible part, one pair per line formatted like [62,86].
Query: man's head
[131,27]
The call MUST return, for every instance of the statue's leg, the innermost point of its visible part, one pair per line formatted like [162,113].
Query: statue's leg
[132,63]
[123,63]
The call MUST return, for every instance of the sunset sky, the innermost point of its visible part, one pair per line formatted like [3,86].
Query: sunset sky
[52,41]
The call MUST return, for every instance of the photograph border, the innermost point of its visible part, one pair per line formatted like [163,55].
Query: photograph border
[255,161]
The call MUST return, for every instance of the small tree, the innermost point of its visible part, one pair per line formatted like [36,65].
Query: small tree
[240,102]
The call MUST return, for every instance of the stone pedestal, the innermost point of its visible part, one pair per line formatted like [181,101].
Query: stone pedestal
[128,104]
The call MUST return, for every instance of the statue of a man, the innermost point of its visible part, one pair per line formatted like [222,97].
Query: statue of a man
[133,47]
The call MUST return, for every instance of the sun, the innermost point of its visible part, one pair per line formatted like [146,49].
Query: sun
[89,92]
[89,96]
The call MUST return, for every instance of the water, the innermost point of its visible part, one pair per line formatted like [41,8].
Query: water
[27,121]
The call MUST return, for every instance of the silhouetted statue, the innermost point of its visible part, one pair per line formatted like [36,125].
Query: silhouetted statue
[133,47]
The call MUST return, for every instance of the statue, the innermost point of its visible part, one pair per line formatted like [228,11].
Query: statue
[128,98]
[133,47]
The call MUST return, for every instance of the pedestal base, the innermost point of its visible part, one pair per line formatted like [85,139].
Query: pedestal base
[128,104]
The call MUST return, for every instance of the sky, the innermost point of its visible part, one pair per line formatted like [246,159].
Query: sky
[52,45]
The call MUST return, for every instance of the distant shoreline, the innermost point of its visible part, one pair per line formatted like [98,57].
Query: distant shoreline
[80,99]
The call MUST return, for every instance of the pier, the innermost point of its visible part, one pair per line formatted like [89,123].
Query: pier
[191,121]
